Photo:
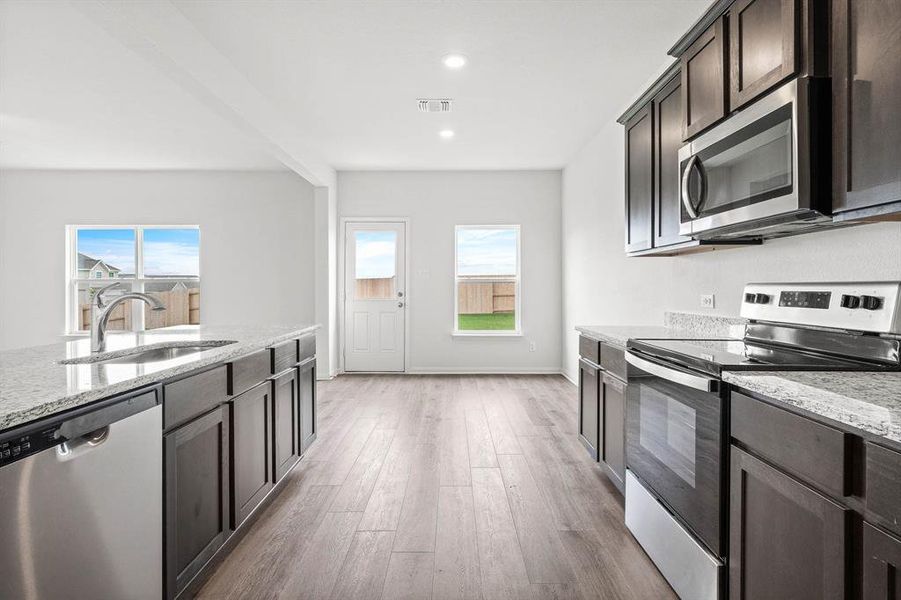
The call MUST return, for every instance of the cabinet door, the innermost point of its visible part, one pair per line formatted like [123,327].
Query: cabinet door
[704,82]
[589,407]
[786,540]
[196,496]
[306,386]
[285,424]
[250,450]
[866,78]
[640,180]
[881,565]
[614,395]
[668,140]
[763,42]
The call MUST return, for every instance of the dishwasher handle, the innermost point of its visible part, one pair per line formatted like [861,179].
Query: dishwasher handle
[94,420]
[72,449]
[81,428]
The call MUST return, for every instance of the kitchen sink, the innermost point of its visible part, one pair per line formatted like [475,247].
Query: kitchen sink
[151,353]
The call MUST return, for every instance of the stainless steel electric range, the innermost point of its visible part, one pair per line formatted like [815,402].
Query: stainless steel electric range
[677,435]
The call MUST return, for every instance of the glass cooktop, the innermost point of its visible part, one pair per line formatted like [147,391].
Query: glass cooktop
[717,355]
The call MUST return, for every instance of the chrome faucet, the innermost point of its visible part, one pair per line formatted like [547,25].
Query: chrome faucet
[101,311]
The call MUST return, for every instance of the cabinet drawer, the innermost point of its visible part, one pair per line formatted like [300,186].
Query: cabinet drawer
[613,359]
[283,356]
[590,349]
[248,371]
[307,347]
[883,488]
[810,450]
[194,395]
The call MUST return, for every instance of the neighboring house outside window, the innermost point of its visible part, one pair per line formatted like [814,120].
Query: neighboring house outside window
[161,261]
[487,280]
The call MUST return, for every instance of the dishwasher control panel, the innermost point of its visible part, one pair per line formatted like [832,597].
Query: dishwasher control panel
[15,446]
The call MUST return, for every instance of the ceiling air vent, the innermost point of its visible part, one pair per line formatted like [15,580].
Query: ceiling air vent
[435,105]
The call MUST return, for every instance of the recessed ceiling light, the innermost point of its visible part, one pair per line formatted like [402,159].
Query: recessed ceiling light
[454,61]
[446,133]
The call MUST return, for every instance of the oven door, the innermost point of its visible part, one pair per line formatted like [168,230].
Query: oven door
[745,169]
[674,431]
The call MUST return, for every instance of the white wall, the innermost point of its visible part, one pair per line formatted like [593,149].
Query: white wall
[602,286]
[256,228]
[437,201]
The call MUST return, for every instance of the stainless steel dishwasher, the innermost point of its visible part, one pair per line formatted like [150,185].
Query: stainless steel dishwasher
[81,503]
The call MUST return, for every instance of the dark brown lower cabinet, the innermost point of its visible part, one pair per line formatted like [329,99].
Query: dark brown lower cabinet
[881,565]
[196,459]
[306,395]
[590,407]
[614,403]
[786,540]
[251,432]
[285,424]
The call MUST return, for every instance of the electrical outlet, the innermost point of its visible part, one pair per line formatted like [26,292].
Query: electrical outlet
[531,346]
[707,301]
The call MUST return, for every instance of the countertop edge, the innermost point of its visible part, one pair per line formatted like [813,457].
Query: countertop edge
[821,403]
[222,355]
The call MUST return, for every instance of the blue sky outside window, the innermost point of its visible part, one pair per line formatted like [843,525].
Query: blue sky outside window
[115,247]
[376,254]
[172,252]
[486,252]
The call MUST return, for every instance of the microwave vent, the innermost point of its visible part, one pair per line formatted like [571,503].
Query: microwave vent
[435,105]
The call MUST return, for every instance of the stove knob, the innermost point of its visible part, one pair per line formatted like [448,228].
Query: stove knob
[750,298]
[870,302]
[850,301]
[762,299]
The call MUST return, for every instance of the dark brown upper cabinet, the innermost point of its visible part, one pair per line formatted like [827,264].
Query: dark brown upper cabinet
[866,84]
[640,180]
[668,140]
[704,81]
[763,47]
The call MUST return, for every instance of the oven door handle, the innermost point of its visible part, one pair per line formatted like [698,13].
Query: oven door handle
[697,382]
[686,197]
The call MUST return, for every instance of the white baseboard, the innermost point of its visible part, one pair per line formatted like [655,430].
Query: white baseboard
[569,379]
[483,371]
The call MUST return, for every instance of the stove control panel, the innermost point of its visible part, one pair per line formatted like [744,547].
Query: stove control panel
[869,307]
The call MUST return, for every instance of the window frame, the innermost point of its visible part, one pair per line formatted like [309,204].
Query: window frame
[517,331]
[132,284]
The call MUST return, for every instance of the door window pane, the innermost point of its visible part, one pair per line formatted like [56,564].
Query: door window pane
[487,278]
[171,252]
[105,253]
[375,265]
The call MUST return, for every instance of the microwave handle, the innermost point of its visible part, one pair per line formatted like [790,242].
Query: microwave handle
[686,199]
[697,382]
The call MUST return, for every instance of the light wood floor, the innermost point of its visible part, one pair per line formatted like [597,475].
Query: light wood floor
[442,487]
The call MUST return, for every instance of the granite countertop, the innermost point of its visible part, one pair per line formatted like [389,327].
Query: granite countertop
[677,325]
[867,401]
[33,384]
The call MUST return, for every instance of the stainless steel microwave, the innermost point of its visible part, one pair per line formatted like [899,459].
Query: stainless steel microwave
[763,172]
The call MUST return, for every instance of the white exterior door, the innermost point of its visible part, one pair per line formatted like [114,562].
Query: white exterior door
[375,296]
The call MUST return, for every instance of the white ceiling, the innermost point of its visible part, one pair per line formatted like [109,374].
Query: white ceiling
[73,97]
[341,76]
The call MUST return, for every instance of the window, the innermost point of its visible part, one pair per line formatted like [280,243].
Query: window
[161,261]
[487,275]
